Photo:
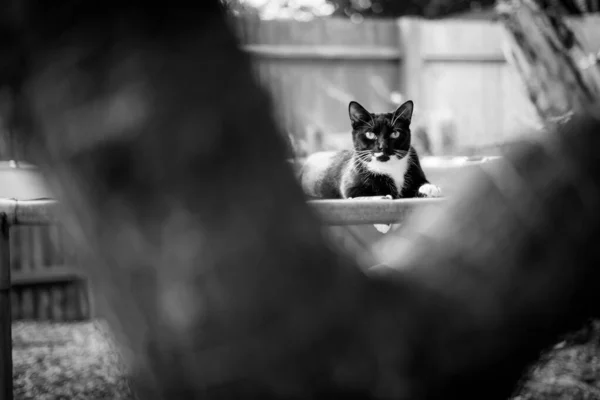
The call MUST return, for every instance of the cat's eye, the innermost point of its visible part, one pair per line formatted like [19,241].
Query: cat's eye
[370,135]
[395,134]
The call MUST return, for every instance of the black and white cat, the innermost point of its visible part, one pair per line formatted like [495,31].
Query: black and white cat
[383,163]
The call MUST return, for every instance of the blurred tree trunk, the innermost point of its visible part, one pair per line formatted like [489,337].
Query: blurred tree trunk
[560,74]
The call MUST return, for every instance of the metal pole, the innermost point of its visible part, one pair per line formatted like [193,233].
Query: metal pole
[6,365]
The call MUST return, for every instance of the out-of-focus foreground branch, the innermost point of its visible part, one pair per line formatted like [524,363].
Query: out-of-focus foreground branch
[218,281]
[508,265]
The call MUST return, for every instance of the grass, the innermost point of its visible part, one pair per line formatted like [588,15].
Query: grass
[78,361]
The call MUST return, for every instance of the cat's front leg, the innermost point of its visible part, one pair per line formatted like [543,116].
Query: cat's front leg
[429,190]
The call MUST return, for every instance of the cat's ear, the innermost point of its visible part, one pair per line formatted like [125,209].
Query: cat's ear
[404,112]
[358,114]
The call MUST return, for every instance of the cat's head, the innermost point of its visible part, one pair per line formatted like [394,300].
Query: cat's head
[381,137]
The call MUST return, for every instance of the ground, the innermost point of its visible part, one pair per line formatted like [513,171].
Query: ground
[77,361]
[66,361]
[569,371]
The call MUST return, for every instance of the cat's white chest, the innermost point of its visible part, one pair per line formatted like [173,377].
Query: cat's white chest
[394,168]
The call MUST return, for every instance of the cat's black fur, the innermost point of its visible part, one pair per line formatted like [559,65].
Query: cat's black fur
[347,174]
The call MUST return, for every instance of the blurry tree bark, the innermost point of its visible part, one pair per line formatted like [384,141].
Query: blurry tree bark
[560,74]
[219,283]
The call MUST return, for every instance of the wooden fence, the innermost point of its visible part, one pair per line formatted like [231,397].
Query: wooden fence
[47,282]
[454,70]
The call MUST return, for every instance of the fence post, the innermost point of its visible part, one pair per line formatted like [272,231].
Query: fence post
[411,66]
[6,365]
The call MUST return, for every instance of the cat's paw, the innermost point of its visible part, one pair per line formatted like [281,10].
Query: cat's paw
[382,227]
[429,190]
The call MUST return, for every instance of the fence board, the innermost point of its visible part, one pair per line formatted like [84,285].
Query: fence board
[472,41]
[320,52]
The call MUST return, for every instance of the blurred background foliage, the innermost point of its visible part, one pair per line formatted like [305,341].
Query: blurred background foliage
[305,9]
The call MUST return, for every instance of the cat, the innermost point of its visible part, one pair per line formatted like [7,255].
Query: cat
[383,163]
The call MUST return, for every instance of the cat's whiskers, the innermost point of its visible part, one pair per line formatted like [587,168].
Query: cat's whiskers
[409,159]
[361,162]
[400,153]
[365,159]
[412,162]
[357,162]
[363,156]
